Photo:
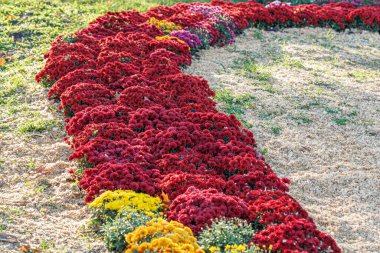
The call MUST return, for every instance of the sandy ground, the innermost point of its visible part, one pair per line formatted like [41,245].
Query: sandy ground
[40,208]
[317,117]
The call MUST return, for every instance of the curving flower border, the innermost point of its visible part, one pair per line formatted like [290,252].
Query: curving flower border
[136,122]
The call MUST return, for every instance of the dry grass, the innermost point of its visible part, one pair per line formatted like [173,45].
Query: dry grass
[39,205]
[316,116]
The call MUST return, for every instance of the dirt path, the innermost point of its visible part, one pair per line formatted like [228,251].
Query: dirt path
[312,98]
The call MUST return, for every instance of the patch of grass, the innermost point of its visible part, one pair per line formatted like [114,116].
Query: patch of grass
[36,125]
[258,34]
[302,119]
[324,84]
[268,114]
[291,62]
[234,104]
[275,129]
[331,110]
[4,220]
[45,245]
[328,39]
[10,91]
[259,73]
[246,124]
[264,151]
[256,71]
[341,121]
[308,105]
[363,75]
[353,113]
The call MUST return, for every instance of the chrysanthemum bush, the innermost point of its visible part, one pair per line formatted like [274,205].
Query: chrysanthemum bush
[151,143]
[111,203]
[224,233]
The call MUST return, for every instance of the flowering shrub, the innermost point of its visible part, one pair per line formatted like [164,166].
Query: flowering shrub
[162,236]
[197,208]
[177,183]
[101,150]
[105,207]
[111,130]
[191,39]
[226,235]
[125,222]
[82,95]
[72,78]
[164,25]
[128,176]
[296,235]
[273,207]
[142,128]
[98,114]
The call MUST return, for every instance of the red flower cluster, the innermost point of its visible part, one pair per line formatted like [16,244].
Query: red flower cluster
[125,176]
[197,208]
[273,207]
[135,121]
[82,95]
[296,236]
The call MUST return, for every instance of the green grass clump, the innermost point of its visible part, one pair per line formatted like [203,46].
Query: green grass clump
[36,125]
[234,104]
[256,71]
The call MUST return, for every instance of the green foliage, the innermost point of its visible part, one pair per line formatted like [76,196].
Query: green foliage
[342,121]
[256,71]
[301,119]
[223,232]
[46,245]
[125,222]
[234,104]
[36,125]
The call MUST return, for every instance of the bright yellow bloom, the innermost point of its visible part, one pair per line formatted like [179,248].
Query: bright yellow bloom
[128,200]
[166,26]
[167,37]
[214,249]
[162,236]
[236,248]
[2,62]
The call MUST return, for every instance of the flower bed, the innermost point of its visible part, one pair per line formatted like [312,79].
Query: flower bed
[140,127]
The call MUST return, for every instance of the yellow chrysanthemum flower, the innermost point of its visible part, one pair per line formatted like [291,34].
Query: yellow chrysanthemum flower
[167,37]
[166,26]
[160,235]
[128,200]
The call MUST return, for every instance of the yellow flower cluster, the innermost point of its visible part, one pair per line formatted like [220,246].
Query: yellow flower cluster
[166,26]
[236,248]
[229,248]
[167,37]
[162,236]
[127,200]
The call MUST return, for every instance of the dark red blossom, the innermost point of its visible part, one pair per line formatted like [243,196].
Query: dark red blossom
[82,95]
[296,235]
[111,130]
[126,176]
[197,208]
[100,150]
[98,114]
